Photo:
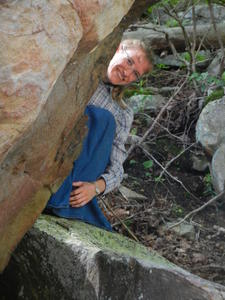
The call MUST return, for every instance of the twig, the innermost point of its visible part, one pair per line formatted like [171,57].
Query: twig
[175,158]
[170,175]
[161,126]
[121,221]
[217,197]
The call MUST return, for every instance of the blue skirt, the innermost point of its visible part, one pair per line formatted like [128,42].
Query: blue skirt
[91,163]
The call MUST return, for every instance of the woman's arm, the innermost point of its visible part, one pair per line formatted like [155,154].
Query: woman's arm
[113,175]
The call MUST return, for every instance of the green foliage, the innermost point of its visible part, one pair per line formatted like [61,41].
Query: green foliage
[159,179]
[177,210]
[137,88]
[204,79]
[172,23]
[148,164]
[200,57]
[208,185]
[132,162]
[162,66]
[223,77]
[133,131]
[148,174]
[217,94]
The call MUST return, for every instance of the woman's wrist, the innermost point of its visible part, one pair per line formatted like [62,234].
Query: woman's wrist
[99,186]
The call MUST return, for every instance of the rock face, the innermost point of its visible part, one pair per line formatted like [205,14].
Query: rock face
[61,259]
[49,67]
[210,127]
[218,169]
[211,134]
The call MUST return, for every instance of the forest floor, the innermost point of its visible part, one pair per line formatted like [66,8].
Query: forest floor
[180,190]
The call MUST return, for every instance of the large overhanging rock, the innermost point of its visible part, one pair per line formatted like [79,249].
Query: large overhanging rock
[61,259]
[49,67]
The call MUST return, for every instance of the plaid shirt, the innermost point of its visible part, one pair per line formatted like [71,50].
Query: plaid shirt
[124,117]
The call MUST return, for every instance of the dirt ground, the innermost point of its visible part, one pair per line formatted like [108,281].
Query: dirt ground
[174,195]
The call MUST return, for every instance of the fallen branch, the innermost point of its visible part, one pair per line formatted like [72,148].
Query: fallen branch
[154,35]
[173,159]
[217,197]
[120,220]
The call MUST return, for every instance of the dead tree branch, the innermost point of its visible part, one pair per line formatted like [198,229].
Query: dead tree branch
[217,197]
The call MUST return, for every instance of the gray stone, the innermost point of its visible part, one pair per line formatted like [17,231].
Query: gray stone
[133,139]
[199,162]
[146,102]
[214,67]
[218,169]
[183,229]
[66,259]
[202,14]
[210,128]
[131,195]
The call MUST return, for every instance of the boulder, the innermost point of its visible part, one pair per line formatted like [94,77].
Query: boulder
[214,67]
[62,259]
[140,103]
[210,126]
[52,54]
[218,169]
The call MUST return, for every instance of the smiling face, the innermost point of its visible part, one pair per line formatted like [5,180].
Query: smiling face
[128,65]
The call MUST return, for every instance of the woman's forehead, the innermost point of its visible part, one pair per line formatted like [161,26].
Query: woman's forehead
[139,57]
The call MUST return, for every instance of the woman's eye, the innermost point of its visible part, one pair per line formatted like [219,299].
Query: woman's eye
[129,61]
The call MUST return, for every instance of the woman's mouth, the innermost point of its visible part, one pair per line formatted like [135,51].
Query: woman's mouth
[120,75]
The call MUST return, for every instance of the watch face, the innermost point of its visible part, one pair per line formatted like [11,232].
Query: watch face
[97,191]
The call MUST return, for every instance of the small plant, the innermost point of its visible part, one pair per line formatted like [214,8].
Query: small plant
[132,162]
[162,66]
[204,79]
[148,174]
[172,23]
[148,164]
[159,179]
[133,131]
[177,210]
[208,185]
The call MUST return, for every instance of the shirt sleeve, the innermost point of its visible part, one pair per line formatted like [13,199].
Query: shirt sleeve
[114,172]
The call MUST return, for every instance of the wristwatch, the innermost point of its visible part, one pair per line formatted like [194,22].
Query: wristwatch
[97,190]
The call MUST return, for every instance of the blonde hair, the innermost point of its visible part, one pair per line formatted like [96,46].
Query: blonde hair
[118,91]
[135,43]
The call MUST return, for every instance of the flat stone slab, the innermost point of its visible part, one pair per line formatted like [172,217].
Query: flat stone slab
[131,195]
[67,259]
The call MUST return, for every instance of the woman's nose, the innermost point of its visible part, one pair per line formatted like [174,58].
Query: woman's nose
[128,71]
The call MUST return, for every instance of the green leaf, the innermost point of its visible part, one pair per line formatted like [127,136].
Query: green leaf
[148,164]
[132,162]
[134,131]
[148,174]
[223,76]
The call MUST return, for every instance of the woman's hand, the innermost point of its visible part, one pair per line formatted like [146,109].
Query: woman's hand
[82,194]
